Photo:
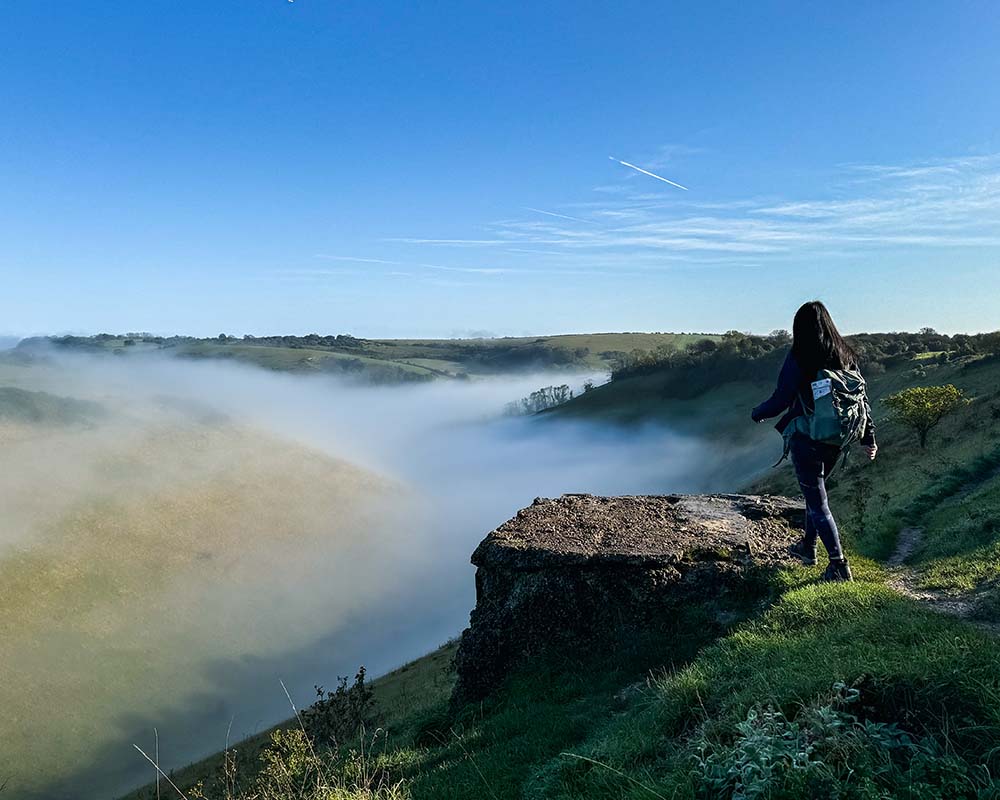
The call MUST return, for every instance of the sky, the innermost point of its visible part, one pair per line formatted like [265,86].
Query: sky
[412,168]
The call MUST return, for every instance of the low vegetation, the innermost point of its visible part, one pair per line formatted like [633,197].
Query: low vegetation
[851,691]
[383,361]
[836,691]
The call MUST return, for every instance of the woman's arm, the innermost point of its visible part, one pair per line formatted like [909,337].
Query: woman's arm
[784,394]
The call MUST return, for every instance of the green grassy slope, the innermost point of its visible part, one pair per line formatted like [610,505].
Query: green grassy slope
[308,359]
[950,490]
[24,406]
[395,360]
[836,691]
[887,698]
[596,351]
[865,692]
[402,697]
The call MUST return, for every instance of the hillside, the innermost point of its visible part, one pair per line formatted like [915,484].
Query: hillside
[389,360]
[24,406]
[146,551]
[885,688]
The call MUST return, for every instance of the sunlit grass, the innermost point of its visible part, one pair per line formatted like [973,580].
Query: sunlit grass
[605,730]
[152,552]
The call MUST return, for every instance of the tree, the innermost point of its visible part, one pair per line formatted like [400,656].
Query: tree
[923,407]
[540,400]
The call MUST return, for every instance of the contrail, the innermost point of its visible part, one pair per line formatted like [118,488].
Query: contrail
[646,172]
[561,216]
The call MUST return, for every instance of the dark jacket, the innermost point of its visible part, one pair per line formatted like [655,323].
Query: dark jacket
[792,390]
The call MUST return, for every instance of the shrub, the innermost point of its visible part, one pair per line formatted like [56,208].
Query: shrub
[830,750]
[921,408]
[291,768]
[341,715]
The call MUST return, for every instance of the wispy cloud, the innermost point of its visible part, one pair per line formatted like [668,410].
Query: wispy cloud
[559,216]
[307,274]
[354,258]
[454,242]
[468,270]
[944,203]
[949,203]
[668,155]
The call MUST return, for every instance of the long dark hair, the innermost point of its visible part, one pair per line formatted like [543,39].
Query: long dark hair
[816,342]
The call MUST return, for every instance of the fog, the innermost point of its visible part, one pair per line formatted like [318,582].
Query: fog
[213,528]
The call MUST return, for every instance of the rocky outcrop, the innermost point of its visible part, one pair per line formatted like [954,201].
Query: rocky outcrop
[584,572]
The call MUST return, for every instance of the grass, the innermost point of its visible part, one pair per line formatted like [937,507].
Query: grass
[488,749]
[296,359]
[930,674]
[498,748]
[403,697]
[961,549]
[20,406]
[890,699]
[722,413]
[117,587]
[398,360]
[600,730]
[948,490]
[481,355]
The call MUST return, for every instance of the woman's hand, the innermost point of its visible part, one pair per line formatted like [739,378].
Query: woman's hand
[871,450]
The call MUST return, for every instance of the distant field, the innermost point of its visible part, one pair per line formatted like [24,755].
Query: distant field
[300,359]
[580,350]
[394,360]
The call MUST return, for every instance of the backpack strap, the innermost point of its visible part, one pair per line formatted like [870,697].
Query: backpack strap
[842,461]
[784,452]
[793,428]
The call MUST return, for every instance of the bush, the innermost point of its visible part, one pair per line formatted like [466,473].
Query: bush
[293,769]
[921,408]
[329,757]
[341,715]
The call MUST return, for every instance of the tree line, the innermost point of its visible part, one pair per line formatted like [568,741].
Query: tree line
[741,356]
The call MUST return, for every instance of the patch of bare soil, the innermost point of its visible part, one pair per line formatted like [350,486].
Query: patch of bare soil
[904,580]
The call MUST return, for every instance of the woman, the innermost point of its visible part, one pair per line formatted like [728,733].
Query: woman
[816,345]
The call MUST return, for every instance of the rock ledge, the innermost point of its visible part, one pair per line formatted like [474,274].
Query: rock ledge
[583,571]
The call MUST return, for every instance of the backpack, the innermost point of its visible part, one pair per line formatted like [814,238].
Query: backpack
[840,410]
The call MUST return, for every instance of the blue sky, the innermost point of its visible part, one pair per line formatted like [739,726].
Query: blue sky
[384,169]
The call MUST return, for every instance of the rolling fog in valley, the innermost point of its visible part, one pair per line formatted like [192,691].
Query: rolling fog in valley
[179,536]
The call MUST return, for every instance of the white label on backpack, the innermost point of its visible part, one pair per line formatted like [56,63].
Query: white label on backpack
[821,388]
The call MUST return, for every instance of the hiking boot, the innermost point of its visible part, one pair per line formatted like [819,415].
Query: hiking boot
[838,571]
[804,552]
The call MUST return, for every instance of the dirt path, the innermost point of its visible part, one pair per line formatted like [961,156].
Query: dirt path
[905,580]
[908,541]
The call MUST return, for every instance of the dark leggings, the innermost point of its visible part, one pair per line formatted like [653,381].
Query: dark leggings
[813,463]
